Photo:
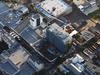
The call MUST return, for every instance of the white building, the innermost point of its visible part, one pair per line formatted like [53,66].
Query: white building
[54,8]
[76,66]
[36,20]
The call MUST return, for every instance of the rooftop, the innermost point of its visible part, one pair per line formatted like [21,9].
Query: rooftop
[87,35]
[30,35]
[86,6]
[8,17]
[20,62]
[59,31]
[19,57]
[78,2]
[55,7]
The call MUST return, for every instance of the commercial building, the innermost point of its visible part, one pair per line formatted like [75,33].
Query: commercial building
[58,37]
[36,20]
[53,8]
[86,6]
[87,35]
[75,66]
[17,61]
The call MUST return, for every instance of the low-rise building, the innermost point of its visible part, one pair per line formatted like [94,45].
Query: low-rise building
[18,62]
[75,66]
[86,6]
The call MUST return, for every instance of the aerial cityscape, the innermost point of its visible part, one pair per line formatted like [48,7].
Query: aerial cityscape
[49,37]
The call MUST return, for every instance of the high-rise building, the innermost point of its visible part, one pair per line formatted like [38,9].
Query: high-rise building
[58,37]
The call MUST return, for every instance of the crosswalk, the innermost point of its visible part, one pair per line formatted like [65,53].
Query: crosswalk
[14,35]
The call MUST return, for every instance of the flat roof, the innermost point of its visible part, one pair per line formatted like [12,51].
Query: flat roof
[26,70]
[30,35]
[19,57]
[55,7]
[87,35]
[56,29]
[8,67]
[78,2]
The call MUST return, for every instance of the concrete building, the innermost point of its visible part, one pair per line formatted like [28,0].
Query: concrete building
[22,10]
[58,37]
[96,29]
[53,8]
[18,62]
[76,66]
[36,20]
[86,6]
[87,35]
[78,2]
